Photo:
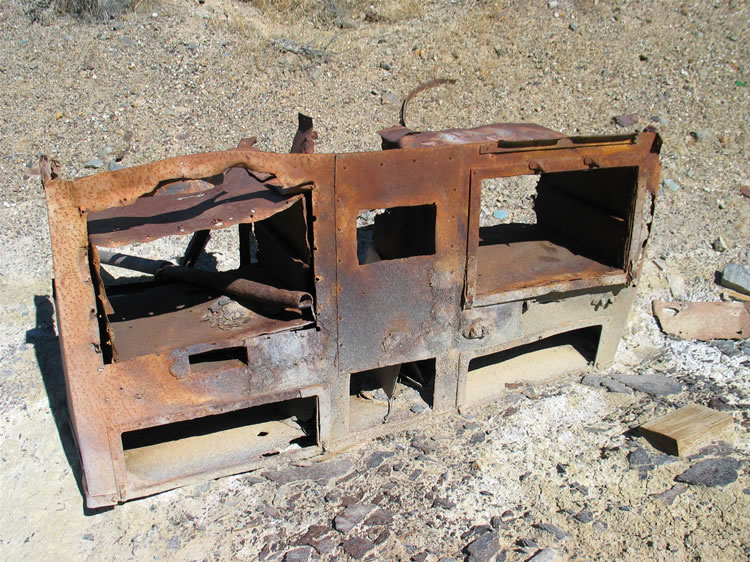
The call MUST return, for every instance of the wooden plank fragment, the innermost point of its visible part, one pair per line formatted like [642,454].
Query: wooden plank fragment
[678,432]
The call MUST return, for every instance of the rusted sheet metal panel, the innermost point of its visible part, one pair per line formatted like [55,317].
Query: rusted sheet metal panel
[398,310]
[704,320]
[237,198]
[402,137]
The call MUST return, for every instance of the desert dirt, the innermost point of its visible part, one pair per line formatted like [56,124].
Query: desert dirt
[184,76]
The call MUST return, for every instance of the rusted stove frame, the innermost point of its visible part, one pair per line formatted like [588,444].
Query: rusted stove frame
[436,294]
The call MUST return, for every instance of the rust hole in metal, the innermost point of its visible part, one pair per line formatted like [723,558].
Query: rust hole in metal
[390,394]
[395,233]
[540,360]
[175,450]
[218,359]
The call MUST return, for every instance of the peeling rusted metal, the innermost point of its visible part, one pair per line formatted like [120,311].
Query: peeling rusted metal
[375,272]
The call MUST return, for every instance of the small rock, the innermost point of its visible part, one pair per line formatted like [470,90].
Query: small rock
[671,184]
[376,459]
[669,496]
[389,98]
[639,457]
[496,522]
[94,163]
[584,516]
[484,548]
[655,384]
[173,543]
[719,403]
[562,468]
[357,547]
[737,277]
[600,525]
[384,65]
[700,135]
[478,437]
[500,214]
[711,472]
[546,555]
[727,347]
[352,516]
[419,407]
[573,26]
[554,530]
[527,543]
[745,190]
[319,472]
[422,446]
[677,286]
[379,517]
[301,554]
[346,23]
[719,245]
[114,166]
[718,449]
[442,502]
[553,4]
[626,119]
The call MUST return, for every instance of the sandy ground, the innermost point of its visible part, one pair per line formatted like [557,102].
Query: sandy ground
[185,77]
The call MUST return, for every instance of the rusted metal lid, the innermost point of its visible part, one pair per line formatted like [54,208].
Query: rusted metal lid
[403,137]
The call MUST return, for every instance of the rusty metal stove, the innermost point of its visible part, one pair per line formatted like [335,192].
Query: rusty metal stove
[370,292]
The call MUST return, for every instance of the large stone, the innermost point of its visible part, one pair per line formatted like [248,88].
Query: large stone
[656,385]
[711,472]
[737,277]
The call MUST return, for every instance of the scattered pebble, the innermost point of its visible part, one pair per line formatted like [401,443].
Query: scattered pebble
[626,119]
[546,555]
[700,136]
[573,26]
[94,163]
[352,516]
[711,472]
[671,185]
[319,472]
[357,547]
[558,533]
[668,496]
[719,245]
[484,548]
[584,516]
[500,214]
[301,554]
[389,98]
